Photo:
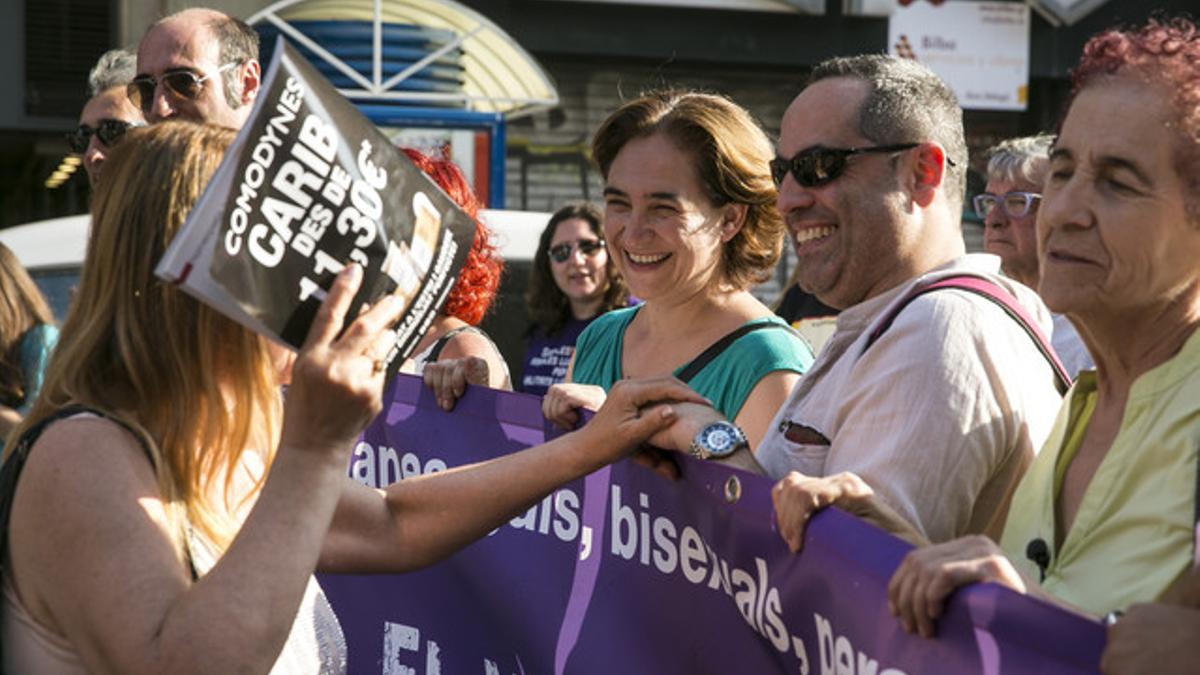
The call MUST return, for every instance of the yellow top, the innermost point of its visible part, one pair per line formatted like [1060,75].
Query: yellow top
[1134,532]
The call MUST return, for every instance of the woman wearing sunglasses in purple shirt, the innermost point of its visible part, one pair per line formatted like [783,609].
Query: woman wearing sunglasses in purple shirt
[574,280]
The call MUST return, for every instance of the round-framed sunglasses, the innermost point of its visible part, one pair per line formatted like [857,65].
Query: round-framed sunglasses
[818,165]
[179,82]
[109,131]
[589,247]
[1016,204]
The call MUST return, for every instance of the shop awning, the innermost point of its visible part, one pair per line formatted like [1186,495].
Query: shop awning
[417,52]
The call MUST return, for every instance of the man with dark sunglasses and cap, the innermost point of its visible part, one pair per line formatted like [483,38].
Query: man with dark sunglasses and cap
[197,64]
[108,114]
[926,405]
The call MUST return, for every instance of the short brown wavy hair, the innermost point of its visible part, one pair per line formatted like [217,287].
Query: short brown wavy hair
[732,156]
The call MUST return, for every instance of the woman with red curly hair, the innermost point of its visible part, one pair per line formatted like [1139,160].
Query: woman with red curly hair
[1105,518]
[454,337]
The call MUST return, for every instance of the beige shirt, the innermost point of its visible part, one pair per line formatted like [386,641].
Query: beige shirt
[941,416]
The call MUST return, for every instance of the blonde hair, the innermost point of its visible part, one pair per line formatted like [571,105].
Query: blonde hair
[197,387]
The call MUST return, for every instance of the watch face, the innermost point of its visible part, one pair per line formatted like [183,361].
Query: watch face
[718,439]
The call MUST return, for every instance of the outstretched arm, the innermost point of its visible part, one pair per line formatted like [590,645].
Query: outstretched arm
[420,520]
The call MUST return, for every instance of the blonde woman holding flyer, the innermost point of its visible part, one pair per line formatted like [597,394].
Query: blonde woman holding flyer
[164,509]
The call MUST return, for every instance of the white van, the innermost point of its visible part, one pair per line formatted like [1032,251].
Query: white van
[53,251]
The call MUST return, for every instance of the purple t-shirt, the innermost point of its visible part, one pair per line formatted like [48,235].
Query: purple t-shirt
[547,358]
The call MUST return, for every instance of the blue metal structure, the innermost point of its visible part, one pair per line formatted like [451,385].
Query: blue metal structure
[417,64]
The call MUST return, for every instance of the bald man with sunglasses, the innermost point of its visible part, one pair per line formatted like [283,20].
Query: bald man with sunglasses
[922,411]
[197,64]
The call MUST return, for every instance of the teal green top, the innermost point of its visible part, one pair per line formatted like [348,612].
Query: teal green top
[36,346]
[726,381]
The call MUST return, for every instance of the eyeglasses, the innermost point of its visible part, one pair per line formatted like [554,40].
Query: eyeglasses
[589,247]
[180,82]
[109,131]
[1014,204]
[816,166]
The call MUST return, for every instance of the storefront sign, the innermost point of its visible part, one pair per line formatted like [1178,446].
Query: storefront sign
[981,49]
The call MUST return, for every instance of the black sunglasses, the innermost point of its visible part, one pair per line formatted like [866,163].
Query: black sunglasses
[181,83]
[109,131]
[588,247]
[818,165]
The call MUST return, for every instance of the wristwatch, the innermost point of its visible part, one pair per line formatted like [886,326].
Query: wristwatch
[718,440]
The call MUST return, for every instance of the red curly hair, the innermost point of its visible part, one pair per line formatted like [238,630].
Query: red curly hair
[1165,53]
[479,278]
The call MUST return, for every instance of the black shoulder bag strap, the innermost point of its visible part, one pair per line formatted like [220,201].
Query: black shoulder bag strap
[15,463]
[1002,298]
[441,342]
[714,350]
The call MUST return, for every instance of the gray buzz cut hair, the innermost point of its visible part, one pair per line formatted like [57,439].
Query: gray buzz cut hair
[907,103]
[1025,159]
[115,68]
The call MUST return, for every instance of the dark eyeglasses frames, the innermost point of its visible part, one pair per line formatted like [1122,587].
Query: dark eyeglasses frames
[181,83]
[1015,204]
[589,247]
[818,165]
[109,131]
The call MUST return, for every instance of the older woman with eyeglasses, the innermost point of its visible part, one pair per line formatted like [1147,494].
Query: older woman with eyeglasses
[691,224]
[1008,208]
[574,280]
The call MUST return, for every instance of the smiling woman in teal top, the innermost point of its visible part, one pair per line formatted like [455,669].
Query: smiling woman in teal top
[690,220]
[726,380]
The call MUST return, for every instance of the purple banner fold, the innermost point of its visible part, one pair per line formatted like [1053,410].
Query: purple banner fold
[624,571]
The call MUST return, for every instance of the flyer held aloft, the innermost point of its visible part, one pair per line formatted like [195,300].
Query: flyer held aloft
[308,186]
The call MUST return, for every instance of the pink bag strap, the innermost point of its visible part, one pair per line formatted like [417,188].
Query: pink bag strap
[997,294]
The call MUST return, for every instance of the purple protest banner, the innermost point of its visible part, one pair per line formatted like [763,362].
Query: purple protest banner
[625,571]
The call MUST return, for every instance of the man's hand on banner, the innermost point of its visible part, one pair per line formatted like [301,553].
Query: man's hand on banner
[449,378]
[337,383]
[797,498]
[635,410]
[927,576]
[1153,638]
[562,402]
